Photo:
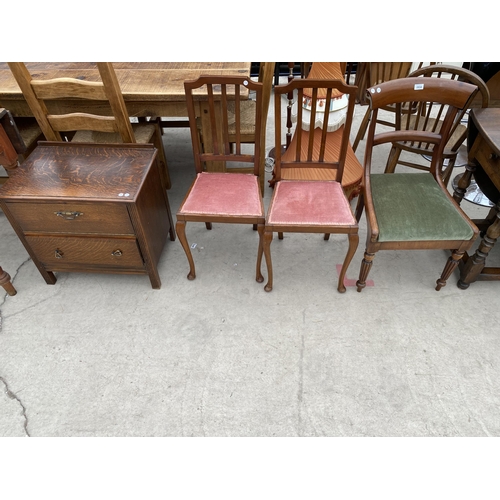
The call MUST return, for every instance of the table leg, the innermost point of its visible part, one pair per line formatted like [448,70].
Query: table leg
[464,182]
[476,263]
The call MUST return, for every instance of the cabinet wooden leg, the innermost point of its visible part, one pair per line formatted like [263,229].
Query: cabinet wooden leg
[6,283]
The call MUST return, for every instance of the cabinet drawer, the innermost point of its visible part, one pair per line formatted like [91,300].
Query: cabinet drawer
[63,251]
[68,217]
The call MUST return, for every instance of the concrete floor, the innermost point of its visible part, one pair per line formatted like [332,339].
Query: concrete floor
[106,355]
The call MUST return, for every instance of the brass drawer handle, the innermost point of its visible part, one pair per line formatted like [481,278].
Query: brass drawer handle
[69,215]
[117,253]
[59,254]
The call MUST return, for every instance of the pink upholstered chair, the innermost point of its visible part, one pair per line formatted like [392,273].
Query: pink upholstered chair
[312,206]
[223,196]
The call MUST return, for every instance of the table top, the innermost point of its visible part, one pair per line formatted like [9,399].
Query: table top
[487,121]
[146,86]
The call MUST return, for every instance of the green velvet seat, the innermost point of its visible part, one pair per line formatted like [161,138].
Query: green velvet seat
[403,215]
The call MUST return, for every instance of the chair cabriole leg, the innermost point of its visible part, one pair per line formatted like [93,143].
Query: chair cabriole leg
[268,237]
[353,246]
[180,228]
[258,275]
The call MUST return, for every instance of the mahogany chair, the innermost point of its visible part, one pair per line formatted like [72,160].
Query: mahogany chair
[374,73]
[16,141]
[410,211]
[92,128]
[300,204]
[9,136]
[229,197]
[429,116]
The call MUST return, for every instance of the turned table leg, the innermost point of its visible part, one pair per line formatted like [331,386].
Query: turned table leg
[475,264]
[464,182]
[5,282]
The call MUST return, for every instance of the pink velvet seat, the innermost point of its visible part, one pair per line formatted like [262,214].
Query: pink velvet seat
[221,194]
[310,203]
[215,196]
[317,204]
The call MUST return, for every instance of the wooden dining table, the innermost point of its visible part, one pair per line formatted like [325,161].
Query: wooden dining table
[150,89]
[153,89]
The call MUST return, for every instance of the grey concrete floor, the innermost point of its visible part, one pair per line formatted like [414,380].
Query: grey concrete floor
[106,355]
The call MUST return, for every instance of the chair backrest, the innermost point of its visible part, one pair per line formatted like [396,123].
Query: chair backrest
[373,73]
[38,94]
[310,145]
[212,94]
[455,95]
[428,115]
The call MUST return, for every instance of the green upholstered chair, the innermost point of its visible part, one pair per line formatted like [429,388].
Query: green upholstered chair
[414,210]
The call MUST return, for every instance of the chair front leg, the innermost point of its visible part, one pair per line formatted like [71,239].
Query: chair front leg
[180,228]
[451,265]
[353,246]
[258,274]
[366,265]
[268,238]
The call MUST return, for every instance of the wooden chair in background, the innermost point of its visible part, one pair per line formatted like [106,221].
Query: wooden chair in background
[17,141]
[371,74]
[300,204]
[90,128]
[226,196]
[8,160]
[428,116]
[414,211]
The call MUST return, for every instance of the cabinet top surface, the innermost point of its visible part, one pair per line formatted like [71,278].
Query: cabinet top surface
[81,171]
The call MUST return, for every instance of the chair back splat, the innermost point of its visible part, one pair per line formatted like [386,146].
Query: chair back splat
[414,210]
